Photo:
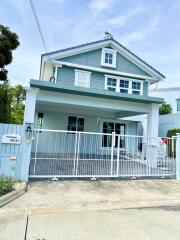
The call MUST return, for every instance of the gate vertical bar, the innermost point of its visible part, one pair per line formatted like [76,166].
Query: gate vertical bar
[112,150]
[77,154]
[118,143]
[178,157]
[36,153]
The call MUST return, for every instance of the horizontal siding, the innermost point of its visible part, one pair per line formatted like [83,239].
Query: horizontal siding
[93,59]
[66,76]
[145,88]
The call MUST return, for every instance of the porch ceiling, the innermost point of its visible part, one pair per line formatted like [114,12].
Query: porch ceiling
[91,111]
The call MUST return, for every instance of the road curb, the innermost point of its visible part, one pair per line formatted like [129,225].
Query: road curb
[20,188]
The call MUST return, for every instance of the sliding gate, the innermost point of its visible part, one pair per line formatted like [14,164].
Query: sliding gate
[86,154]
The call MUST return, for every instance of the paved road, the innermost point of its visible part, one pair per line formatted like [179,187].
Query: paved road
[94,210]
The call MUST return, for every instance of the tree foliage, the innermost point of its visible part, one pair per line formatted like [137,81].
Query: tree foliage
[11,98]
[5,103]
[11,103]
[8,42]
[165,108]
[173,132]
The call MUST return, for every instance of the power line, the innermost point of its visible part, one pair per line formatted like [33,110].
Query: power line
[38,25]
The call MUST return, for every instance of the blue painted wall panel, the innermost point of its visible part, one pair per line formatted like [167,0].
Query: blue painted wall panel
[93,59]
[66,76]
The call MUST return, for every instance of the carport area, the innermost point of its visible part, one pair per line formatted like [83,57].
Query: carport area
[139,209]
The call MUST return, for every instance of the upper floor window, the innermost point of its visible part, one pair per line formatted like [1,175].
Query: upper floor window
[111,84]
[123,85]
[108,57]
[178,105]
[136,88]
[82,78]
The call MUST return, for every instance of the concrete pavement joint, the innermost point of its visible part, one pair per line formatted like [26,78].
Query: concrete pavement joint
[27,221]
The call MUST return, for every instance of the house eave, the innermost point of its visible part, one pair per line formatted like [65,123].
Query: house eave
[105,71]
[55,87]
[103,43]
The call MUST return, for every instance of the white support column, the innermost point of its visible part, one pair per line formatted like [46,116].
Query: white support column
[178,158]
[152,136]
[153,121]
[30,105]
[28,119]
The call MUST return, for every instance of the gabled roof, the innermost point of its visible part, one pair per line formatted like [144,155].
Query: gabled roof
[113,42]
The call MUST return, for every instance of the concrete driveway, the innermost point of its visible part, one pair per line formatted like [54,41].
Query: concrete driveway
[75,210]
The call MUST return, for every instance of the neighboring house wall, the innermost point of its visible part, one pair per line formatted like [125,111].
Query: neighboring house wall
[167,122]
[170,95]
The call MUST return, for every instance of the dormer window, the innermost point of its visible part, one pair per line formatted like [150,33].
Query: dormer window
[108,57]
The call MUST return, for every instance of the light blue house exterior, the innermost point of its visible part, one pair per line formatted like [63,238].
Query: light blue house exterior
[91,88]
[83,85]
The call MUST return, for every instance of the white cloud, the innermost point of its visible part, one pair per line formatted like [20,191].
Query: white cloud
[97,6]
[121,20]
[142,34]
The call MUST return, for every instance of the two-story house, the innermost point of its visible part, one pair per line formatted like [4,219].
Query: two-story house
[88,89]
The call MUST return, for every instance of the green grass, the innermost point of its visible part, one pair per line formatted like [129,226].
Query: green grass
[7,185]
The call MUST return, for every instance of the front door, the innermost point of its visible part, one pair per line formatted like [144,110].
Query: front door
[113,140]
[118,129]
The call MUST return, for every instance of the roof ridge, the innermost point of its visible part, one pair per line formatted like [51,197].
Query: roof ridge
[77,46]
[99,41]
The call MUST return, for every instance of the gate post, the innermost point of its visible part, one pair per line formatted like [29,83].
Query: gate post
[178,157]
[28,120]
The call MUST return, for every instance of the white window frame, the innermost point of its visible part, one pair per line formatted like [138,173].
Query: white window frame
[123,87]
[127,79]
[76,80]
[115,121]
[138,90]
[113,52]
[77,116]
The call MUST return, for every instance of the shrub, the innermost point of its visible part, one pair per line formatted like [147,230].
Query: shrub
[7,184]
[172,145]
[172,132]
[165,108]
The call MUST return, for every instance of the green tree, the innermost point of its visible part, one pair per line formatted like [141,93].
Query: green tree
[8,42]
[5,103]
[165,108]
[11,103]
[17,104]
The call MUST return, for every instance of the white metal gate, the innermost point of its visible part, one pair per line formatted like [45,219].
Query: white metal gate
[57,153]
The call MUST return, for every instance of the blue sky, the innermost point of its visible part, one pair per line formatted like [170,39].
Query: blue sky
[151,29]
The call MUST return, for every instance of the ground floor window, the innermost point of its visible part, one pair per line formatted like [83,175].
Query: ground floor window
[75,124]
[118,128]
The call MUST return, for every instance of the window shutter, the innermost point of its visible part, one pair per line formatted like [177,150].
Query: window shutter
[82,78]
